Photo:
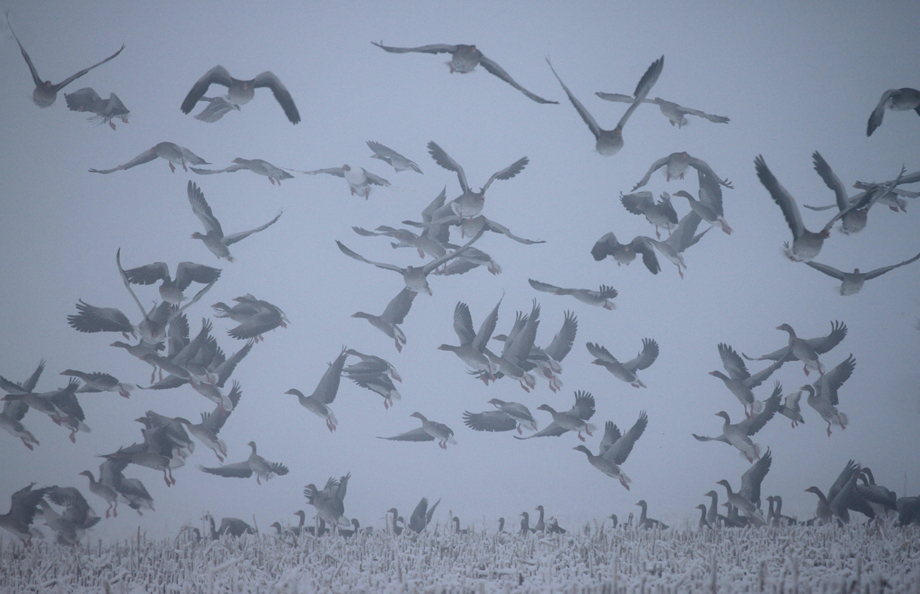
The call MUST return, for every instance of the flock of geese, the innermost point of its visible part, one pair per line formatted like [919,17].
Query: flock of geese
[445,237]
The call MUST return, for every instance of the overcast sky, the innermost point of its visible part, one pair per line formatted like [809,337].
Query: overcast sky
[793,79]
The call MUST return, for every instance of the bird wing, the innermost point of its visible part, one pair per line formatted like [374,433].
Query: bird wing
[642,246]
[82,100]
[599,352]
[721,438]
[216,75]
[374,179]
[544,287]
[202,210]
[435,48]
[611,435]
[605,246]
[620,97]
[235,237]
[256,325]
[237,470]
[491,420]
[646,357]
[703,167]
[499,228]
[753,477]
[762,375]
[823,344]
[29,384]
[622,446]
[415,435]
[328,385]
[880,271]
[149,274]
[189,272]
[562,342]
[584,406]
[481,339]
[444,160]
[230,169]
[831,181]
[463,323]
[508,172]
[587,117]
[831,381]
[551,430]
[124,278]
[732,362]
[35,77]
[398,307]
[360,258]
[828,270]
[433,264]
[637,202]
[716,119]
[282,95]
[70,79]
[225,369]
[710,191]
[875,118]
[648,174]
[145,157]
[757,422]
[782,198]
[645,85]
[498,71]
[336,171]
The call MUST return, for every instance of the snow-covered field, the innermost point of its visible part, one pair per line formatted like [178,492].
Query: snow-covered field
[856,558]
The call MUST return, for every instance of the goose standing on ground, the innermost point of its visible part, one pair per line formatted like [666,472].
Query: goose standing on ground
[739,434]
[674,112]
[473,345]
[421,515]
[241,92]
[852,282]
[391,157]
[217,107]
[255,464]
[624,253]
[709,206]
[822,395]
[256,317]
[258,166]
[626,371]
[429,431]
[469,203]
[820,344]
[23,504]
[660,214]
[103,110]
[775,515]
[463,59]
[609,142]
[214,238]
[615,448]
[676,165]
[574,419]
[173,153]
[45,92]
[834,505]
[104,491]
[318,402]
[739,380]
[802,350]
[893,99]
[601,297]
[171,290]
[508,417]
[415,277]
[393,315]
[359,179]
[646,522]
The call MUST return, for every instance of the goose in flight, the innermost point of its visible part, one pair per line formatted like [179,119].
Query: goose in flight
[601,297]
[103,110]
[359,179]
[739,434]
[171,289]
[709,206]
[429,431]
[241,92]
[739,380]
[214,238]
[508,416]
[393,315]
[463,59]
[469,203]
[660,214]
[415,277]
[318,402]
[675,113]
[820,345]
[802,350]
[472,349]
[893,99]
[626,371]
[615,448]
[394,159]
[609,142]
[330,502]
[173,153]
[217,108]
[257,166]
[685,236]
[45,92]
[255,464]
[676,165]
[852,282]
[574,419]
[624,253]
[23,505]
[822,395]
[255,317]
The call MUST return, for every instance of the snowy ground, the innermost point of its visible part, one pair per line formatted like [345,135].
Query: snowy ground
[856,558]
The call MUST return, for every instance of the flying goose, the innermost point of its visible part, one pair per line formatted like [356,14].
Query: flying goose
[601,297]
[625,253]
[508,417]
[676,165]
[893,99]
[258,166]
[739,434]
[359,179]
[173,153]
[391,157]
[429,431]
[822,395]
[214,238]
[626,371]
[103,110]
[574,419]
[318,402]
[393,315]
[241,92]
[615,448]
[675,113]
[852,282]
[660,214]
[171,289]
[255,464]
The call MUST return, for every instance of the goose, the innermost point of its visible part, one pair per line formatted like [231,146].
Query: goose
[625,253]
[255,317]
[676,165]
[235,527]
[682,238]
[216,108]
[646,522]
[856,209]
[615,448]
[214,238]
[739,434]
[834,504]
[508,417]
[675,113]
[549,363]
[881,499]
[471,225]
[378,382]
[601,297]
[525,524]
[891,195]
[61,405]
[171,289]
[473,345]
[791,408]
[23,504]
[131,490]
[255,464]
[318,402]
[514,360]
[742,504]
[393,519]
[702,522]
[425,246]
[330,502]
[753,477]
[659,214]
[709,206]
[104,491]
[713,517]
[421,515]
[429,431]
[574,419]
[822,395]
[211,423]
[371,364]
[739,380]
[457,530]
[103,110]
[241,92]
[15,410]
[415,277]
[171,152]
[76,517]
[540,526]
[469,203]
[820,344]
[359,179]
[258,166]
[852,282]
[626,371]
[463,59]
[775,516]
[893,99]
[45,92]
[173,430]
[609,142]
[391,157]
[802,350]
[393,315]
[468,260]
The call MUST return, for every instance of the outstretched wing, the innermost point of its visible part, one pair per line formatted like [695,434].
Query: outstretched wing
[498,71]
[444,160]
[235,237]
[282,95]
